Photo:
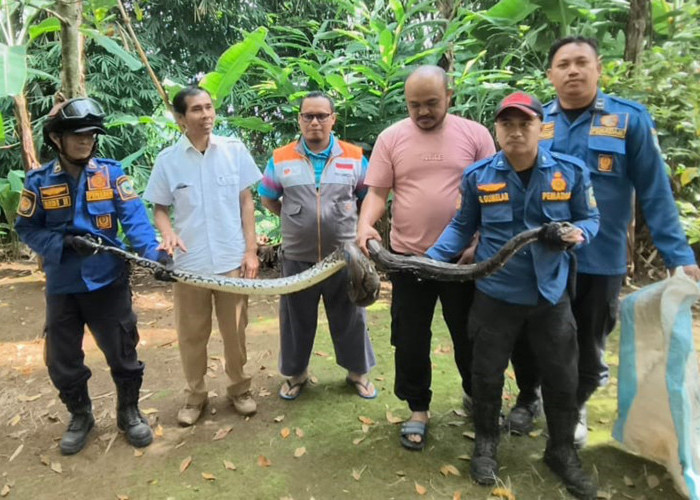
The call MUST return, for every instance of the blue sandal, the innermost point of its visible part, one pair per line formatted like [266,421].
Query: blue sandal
[414,427]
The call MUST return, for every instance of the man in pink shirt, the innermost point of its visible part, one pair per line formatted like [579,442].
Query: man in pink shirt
[422,159]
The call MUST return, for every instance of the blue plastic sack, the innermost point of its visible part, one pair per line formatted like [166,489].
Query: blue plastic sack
[658,382]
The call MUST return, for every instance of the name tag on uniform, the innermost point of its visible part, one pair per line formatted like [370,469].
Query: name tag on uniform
[55,197]
[612,125]
[486,199]
[554,196]
[99,195]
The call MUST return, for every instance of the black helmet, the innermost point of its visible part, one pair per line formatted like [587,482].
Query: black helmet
[78,115]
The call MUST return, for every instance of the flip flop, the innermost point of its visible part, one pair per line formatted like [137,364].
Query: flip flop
[291,387]
[359,385]
[414,427]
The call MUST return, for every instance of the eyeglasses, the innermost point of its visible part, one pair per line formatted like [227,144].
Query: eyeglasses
[321,117]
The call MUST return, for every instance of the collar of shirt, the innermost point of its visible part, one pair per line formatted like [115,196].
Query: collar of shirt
[544,160]
[323,155]
[185,144]
[598,104]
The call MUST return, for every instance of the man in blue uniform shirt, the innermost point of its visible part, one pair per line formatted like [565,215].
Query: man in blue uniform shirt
[73,195]
[521,188]
[616,138]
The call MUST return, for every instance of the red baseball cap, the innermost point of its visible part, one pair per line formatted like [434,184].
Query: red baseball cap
[527,103]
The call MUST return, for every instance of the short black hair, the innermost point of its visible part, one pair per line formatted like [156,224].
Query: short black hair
[314,94]
[558,44]
[180,99]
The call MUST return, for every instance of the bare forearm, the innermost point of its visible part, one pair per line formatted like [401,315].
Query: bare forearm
[274,206]
[373,206]
[248,220]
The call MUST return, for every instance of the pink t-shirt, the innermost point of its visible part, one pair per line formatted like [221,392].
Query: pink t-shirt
[424,169]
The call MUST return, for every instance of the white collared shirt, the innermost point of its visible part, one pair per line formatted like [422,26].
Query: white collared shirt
[204,191]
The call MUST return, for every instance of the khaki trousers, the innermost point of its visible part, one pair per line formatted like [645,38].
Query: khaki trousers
[193,322]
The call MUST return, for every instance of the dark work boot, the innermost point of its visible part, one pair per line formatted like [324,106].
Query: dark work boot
[129,418]
[561,457]
[76,435]
[484,463]
[521,419]
[77,401]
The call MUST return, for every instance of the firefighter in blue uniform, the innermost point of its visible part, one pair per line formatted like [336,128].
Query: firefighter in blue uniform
[77,194]
[616,138]
[520,188]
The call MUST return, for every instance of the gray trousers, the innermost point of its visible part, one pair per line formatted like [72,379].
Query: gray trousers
[299,318]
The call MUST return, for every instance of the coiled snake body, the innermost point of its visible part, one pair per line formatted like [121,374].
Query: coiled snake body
[364,283]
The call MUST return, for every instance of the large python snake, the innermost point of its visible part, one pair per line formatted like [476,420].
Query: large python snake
[364,283]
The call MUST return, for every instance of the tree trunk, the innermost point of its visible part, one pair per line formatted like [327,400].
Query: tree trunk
[24,131]
[72,77]
[447,9]
[636,29]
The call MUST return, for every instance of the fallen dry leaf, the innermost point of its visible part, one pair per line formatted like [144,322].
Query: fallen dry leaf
[464,457]
[229,465]
[652,481]
[56,467]
[321,354]
[14,420]
[313,379]
[263,461]
[469,435]
[379,378]
[365,428]
[263,393]
[185,464]
[5,490]
[208,476]
[357,474]
[17,452]
[448,469]
[278,418]
[365,420]
[138,453]
[503,493]
[628,482]
[28,399]
[400,473]
[392,419]
[44,459]
[510,374]
[159,431]
[299,432]
[457,495]
[358,440]
[122,497]
[222,433]
[299,452]
[420,489]
[535,433]
[604,420]
[460,413]
[285,433]
[149,411]
[603,495]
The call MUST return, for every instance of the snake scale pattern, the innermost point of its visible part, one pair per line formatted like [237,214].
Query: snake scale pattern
[363,280]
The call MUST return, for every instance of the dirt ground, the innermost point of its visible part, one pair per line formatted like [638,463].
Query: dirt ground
[327,444]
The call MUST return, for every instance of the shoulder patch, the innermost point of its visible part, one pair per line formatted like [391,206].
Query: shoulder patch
[547,131]
[27,203]
[125,188]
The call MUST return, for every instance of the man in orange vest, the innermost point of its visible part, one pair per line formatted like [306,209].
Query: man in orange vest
[315,185]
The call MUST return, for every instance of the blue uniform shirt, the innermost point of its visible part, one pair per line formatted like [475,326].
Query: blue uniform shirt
[54,204]
[495,202]
[617,140]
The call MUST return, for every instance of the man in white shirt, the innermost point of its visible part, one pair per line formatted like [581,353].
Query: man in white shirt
[207,180]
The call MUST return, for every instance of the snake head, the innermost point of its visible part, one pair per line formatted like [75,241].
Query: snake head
[551,235]
[363,280]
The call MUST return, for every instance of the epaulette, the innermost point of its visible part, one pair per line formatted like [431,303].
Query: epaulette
[43,168]
[626,102]
[479,164]
[568,159]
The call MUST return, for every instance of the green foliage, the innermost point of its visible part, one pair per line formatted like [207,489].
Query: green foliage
[10,190]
